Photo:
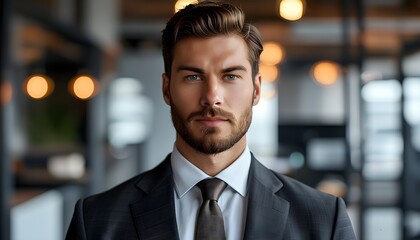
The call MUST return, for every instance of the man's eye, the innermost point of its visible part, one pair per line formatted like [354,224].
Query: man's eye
[231,77]
[193,77]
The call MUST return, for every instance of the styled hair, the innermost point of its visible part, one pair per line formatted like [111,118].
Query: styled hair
[208,19]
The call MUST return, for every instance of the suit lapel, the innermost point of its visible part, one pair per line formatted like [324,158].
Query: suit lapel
[154,214]
[267,212]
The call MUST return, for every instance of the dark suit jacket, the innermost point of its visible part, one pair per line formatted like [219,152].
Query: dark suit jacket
[278,208]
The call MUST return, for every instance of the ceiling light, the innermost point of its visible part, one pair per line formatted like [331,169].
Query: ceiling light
[326,72]
[273,53]
[291,10]
[181,4]
[38,86]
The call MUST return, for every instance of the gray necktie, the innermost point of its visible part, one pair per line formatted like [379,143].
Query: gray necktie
[210,217]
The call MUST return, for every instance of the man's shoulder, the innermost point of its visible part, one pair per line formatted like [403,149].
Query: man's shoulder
[291,188]
[129,190]
[120,194]
[296,191]
[307,203]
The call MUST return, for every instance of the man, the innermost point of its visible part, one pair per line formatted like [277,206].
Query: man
[211,83]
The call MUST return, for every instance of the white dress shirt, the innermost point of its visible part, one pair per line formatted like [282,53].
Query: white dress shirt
[233,201]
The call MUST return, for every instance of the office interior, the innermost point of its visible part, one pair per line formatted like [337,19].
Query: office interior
[82,110]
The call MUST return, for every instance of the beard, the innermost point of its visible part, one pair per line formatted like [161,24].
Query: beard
[208,142]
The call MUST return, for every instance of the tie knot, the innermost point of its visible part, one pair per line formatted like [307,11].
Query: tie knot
[211,188]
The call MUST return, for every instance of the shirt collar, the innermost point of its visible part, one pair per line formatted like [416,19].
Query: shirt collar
[186,175]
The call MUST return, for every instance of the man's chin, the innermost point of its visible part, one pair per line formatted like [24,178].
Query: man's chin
[208,144]
[210,135]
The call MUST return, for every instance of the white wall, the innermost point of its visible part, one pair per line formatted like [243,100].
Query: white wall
[40,218]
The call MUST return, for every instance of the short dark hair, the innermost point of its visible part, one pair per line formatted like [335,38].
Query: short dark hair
[207,19]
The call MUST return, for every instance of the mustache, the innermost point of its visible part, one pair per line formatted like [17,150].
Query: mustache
[210,112]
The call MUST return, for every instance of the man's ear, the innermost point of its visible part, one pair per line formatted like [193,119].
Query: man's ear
[257,89]
[166,89]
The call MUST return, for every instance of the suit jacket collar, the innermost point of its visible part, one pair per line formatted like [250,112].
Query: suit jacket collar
[267,212]
[154,214]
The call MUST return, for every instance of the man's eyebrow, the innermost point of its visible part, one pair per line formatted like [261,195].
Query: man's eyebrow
[191,69]
[234,68]
[201,71]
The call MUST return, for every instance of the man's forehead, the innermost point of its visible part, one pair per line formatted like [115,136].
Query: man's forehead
[226,48]
[234,39]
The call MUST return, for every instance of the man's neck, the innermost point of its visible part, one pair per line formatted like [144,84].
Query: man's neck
[211,164]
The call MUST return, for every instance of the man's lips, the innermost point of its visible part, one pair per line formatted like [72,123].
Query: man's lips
[211,121]
[210,117]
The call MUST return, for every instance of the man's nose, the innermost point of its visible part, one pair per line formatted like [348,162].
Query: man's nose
[212,92]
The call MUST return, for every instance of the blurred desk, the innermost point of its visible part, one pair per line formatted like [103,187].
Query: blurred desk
[42,178]
[22,195]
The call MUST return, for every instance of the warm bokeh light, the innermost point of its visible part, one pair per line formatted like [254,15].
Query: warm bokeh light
[269,73]
[5,93]
[273,54]
[83,87]
[291,10]
[38,86]
[180,4]
[334,187]
[326,72]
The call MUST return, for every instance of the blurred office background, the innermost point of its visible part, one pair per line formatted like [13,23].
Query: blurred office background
[81,105]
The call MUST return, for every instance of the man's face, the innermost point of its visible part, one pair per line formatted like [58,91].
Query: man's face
[211,92]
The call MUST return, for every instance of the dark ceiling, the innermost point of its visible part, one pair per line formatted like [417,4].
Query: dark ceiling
[381,25]
[328,28]
[263,10]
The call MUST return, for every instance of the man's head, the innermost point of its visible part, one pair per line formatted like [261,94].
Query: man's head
[211,78]
[209,19]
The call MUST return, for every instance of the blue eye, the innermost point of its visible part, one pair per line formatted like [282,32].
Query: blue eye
[193,77]
[231,77]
